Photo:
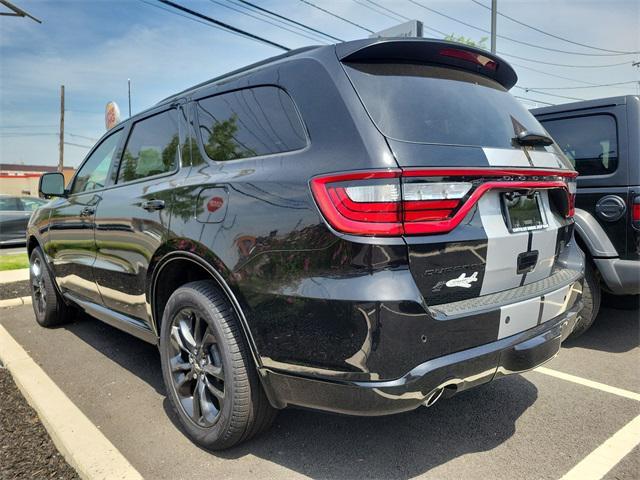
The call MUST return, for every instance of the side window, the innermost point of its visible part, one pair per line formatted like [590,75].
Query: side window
[93,173]
[152,148]
[30,204]
[248,123]
[590,142]
[9,204]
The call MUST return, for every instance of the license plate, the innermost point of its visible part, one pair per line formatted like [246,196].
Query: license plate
[523,212]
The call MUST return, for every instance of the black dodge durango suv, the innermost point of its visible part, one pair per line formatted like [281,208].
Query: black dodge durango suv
[360,228]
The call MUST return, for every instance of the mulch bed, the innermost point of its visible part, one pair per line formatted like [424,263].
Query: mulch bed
[14,289]
[26,451]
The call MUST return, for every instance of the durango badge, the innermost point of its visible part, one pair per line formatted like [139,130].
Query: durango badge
[463,281]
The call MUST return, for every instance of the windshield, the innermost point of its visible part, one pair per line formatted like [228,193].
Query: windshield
[430,104]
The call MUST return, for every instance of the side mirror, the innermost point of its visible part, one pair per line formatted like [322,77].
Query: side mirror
[51,185]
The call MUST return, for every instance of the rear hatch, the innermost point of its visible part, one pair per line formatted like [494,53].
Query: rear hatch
[485,196]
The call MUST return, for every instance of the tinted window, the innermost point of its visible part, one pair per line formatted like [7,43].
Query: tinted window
[9,203]
[30,204]
[93,173]
[152,148]
[428,104]
[248,123]
[589,142]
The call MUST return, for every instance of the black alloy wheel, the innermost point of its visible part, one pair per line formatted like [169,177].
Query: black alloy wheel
[48,306]
[210,375]
[197,368]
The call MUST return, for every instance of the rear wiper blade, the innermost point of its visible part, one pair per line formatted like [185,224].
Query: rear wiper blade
[531,139]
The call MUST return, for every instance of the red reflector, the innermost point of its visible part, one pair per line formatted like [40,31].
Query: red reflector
[635,212]
[473,57]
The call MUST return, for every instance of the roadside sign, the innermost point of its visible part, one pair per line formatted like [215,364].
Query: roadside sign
[412,28]
[111,115]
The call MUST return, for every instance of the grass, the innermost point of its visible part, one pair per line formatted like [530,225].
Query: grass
[13,262]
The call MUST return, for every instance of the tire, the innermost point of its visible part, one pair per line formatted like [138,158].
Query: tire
[48,305]
[591,295]
[202,349]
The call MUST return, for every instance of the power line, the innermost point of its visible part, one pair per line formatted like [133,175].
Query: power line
[76,145]
[564,64]
[509,38]
[549,94]
[586,86]
[81,136]
[336,16]
[270,18]
[27,126]
[270,12]
[553,35]
[373,9]
[533,100]
[553,75]
[226,26]
[233,8]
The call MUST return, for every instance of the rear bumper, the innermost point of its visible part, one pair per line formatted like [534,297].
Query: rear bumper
[622,277]
[454,372]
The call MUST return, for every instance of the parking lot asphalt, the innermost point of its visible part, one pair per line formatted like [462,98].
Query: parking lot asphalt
[523,426]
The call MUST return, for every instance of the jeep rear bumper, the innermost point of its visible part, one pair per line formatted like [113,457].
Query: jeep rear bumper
[454,372]
[622,277]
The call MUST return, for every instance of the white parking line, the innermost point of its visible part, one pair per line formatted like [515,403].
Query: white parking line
[81,443]
[599,462]
[589,383]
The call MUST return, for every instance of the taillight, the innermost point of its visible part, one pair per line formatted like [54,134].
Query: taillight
[635,210]
[572,189]
[419,202]
[361,203]
[469,56]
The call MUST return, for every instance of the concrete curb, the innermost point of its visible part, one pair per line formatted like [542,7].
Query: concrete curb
[84,447]
[15,302]
[10,276]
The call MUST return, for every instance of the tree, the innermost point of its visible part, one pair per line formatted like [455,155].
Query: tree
[482,43]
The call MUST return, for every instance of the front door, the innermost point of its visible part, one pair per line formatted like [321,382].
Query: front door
[71,242]
[132,221]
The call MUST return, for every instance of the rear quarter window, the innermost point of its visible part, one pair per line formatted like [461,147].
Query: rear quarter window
[249,123]
[590,142]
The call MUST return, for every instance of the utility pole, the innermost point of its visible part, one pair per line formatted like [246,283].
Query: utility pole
[61,160]
[129,87]
[494,14]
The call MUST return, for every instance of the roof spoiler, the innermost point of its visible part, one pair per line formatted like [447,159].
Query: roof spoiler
[417,50]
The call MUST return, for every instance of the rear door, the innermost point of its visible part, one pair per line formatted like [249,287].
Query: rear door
[482,213]
[595,140]
[132,220]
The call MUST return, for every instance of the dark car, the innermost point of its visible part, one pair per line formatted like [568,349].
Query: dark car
[602,139]
[359,228]
[14,217]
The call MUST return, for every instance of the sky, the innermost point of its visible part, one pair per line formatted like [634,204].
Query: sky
[93,47]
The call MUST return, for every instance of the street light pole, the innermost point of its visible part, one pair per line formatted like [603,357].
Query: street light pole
[494,14]
[129,89]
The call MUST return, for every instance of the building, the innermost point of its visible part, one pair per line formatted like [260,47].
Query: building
[19,179]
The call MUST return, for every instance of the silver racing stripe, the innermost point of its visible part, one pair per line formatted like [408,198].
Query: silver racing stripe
[545,159]
[544,241]
[503,247]
[521,316]
[515,157]
[506,157]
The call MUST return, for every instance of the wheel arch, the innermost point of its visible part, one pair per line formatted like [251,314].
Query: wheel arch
[206,267]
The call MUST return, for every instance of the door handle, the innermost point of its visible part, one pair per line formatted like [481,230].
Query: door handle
[87,211]
[151,205]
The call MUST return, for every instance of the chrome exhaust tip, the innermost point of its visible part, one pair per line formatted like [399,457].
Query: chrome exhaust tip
[433,397]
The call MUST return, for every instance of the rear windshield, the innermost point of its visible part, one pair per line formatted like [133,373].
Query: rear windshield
[430,104]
